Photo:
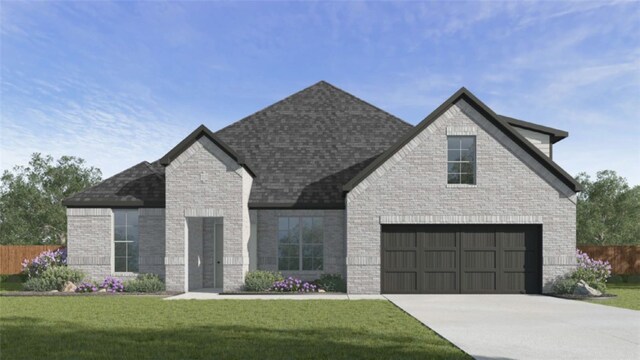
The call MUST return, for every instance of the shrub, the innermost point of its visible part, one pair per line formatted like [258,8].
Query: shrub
[260,280]
[36,266]
[146,283]
[87,287]
[112,284]
[332,283]
[53,278]
[593,272]
[39,284]
[565,286]
[291,284]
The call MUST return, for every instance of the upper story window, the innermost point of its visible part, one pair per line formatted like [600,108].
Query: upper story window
[461,160]
[125,240]
[300,243]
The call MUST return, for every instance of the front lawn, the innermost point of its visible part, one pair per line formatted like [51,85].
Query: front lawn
[628,296]
[10,283]
[151,328]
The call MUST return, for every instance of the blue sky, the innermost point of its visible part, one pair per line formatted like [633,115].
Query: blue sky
[118,83]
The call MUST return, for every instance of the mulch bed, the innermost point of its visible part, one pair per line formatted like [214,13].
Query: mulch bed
[47,293]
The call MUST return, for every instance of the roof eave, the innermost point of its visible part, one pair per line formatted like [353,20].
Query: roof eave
[70,203]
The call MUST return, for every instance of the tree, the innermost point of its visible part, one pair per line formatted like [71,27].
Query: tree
[31,210]
[608,210]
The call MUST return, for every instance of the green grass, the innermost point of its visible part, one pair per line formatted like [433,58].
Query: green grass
[10,283]
[151,328]
[628,296]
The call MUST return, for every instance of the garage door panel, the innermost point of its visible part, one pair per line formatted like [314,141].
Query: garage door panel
[478,282]
[441,259]
[461,259]
[440,282]
[400,282]
[478,259]
[399,259]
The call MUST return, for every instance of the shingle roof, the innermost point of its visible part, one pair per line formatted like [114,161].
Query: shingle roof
[304,148]
[141,185]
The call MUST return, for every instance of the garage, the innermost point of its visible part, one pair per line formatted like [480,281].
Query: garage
[466,259]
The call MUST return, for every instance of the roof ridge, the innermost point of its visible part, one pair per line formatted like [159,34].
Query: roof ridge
[270,106]
[365,102]
[321,82]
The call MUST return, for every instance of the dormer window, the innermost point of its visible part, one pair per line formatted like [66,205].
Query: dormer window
[461,160]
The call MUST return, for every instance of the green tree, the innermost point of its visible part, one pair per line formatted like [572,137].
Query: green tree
[608,210]
[31,210]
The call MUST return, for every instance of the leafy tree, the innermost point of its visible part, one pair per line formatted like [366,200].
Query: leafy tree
[31,210]
[608,210]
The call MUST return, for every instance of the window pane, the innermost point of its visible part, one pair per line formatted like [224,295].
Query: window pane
[453,155]
[453,168]
[467,142]
[466,168]
[453,179]
[283,223]
[120,217]
[317,264]
[467,179]
[294,236]
[132,233]
[120,249]
[120,264]
[283,236]
[132,264]
[307,263]
[120,233]
[453,142]
[132,218]
[468,155]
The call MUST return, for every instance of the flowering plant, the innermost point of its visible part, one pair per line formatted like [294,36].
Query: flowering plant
[36,266]
[112,284]
[590,270]
[87,287]
[291,284]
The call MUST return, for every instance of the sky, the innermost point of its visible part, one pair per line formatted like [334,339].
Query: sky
[117,83]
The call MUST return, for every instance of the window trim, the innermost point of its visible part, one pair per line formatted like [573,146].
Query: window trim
[474,163]
[300,244]
[113,242]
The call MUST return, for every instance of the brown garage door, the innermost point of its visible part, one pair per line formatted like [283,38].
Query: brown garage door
[468,259]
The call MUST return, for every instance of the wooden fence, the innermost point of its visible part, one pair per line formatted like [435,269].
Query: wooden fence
[11,256]
[624,260]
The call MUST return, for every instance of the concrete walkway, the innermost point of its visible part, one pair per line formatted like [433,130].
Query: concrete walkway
[214,294]
[528,326]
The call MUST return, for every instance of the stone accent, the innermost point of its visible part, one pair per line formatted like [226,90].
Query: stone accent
[334,241]
[204,181]
[511,187]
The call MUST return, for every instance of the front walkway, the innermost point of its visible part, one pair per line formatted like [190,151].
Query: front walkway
[214,294]
[527,326]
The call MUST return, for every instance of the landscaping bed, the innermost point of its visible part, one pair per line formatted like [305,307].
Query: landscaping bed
[58,293]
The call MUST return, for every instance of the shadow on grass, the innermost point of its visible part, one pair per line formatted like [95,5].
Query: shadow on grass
[30,338]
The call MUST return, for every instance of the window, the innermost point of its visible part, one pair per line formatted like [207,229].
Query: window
[300,243]
[126,240]
[461,160]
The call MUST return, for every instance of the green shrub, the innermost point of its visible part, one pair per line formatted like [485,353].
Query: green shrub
[260,280]
[146,283]
[332,283]
[565,286]
[54,278]
[39,284]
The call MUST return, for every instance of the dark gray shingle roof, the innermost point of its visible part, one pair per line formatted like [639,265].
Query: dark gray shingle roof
[302,149]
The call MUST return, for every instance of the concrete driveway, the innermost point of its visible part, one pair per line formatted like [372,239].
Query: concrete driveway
[527,326]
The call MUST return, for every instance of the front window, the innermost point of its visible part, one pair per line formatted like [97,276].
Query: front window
[126,240]
[300,243]
[461,160]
